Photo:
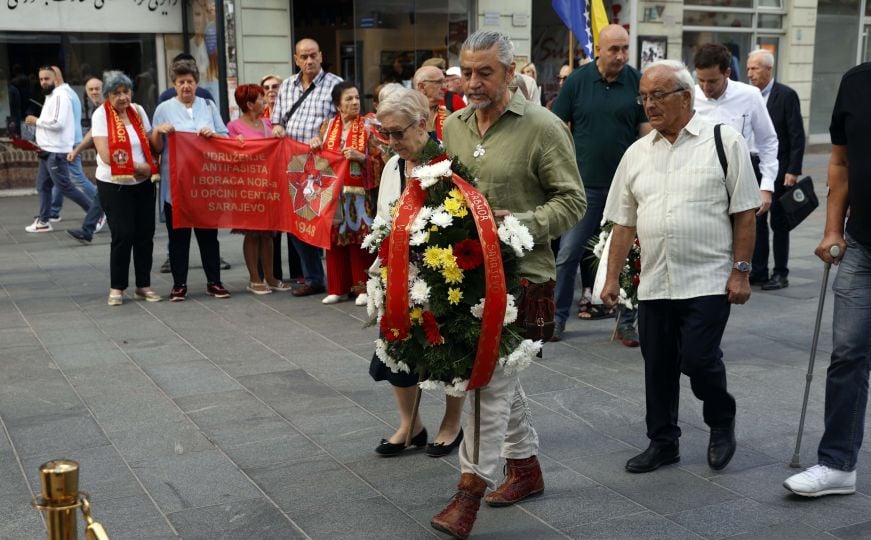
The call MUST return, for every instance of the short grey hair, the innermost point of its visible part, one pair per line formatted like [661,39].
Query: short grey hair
[405,102]
[184,67]
[389,89]
[113,80]
[764,56]
[681,76]
[484,40]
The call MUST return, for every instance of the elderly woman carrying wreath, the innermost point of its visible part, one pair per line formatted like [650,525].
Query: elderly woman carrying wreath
[125,169]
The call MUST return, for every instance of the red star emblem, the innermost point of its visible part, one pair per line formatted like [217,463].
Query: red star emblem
[310,181]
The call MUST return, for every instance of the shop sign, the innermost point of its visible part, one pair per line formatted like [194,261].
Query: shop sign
[135,16]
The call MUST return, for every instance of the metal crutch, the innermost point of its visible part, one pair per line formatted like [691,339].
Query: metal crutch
[834,251]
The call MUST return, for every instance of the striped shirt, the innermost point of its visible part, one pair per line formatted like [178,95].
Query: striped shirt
[311,113]
[679,200]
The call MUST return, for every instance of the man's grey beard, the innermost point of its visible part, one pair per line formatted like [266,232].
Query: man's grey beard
[487,104]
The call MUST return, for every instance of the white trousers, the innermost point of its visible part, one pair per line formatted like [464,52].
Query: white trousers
[506,428]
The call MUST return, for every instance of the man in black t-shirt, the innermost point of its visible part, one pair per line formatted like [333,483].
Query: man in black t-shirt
[847,377]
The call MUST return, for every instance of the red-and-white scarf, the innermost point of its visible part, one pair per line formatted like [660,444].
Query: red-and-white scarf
[358,137]
[120,149]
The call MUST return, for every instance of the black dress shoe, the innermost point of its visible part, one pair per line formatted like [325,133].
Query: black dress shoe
[776,282]
[721,447]
[758,279]
[442,449]
[387,448]
[653,458]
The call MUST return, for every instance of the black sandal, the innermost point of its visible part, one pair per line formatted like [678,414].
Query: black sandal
[596,312]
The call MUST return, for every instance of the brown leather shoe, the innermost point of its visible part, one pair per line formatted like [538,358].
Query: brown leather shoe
[308,290]
[522,479]
[459,515]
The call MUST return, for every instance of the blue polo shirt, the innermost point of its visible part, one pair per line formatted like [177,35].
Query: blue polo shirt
[604,118]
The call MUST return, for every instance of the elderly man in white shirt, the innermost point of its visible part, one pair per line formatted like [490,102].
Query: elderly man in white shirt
[694,217]
[720,100]
[55,134]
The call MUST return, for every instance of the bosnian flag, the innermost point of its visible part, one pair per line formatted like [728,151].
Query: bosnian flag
[585,18]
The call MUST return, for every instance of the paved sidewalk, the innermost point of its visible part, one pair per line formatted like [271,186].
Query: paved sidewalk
[254,417]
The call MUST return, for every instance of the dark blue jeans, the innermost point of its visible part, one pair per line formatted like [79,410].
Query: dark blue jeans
[89,224]
[847,377]
[54,170]
[310,257]
[77,176]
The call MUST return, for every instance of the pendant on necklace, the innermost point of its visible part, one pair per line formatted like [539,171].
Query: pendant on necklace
[479,151]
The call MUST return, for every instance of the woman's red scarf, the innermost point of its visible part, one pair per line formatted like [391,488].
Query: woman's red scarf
[120,149]
[358,137]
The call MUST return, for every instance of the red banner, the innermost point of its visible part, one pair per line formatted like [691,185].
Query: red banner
[258,184]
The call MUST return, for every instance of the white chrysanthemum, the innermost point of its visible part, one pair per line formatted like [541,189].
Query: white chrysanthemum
[430,384]
[516,235]
[418,238]
[510,310]
[441,219]
[374,298]
[600,245]
[521,357]
[625,300]
[429,175]
[377,233]
[419,292]
[394,365]
[457,388]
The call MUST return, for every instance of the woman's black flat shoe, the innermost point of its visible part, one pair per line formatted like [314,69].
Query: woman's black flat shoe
[442,449]
[387,448]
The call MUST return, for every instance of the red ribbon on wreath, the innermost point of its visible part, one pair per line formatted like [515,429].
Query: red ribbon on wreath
[396,305]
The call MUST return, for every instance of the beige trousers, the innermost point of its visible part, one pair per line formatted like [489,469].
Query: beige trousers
[506,428]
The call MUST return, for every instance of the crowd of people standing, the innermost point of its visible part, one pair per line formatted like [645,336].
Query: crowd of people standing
[689,167]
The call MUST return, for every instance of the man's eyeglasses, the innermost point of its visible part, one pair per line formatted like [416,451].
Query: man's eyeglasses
[275,86]
[398,135]
[655,97]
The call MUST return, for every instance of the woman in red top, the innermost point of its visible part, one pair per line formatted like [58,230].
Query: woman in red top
[346,133]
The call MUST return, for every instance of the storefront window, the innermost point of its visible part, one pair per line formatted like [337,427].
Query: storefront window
[770,21]
[836,23]
[728,19]
[79,55]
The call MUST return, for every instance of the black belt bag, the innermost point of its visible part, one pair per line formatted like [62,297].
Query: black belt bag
[43,154]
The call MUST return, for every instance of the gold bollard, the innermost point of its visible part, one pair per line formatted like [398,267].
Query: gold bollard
[60,498]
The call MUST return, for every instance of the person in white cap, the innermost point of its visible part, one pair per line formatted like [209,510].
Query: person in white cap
[454,99]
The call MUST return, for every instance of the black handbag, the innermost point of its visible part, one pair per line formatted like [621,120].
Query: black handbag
[536,309]
[797,202]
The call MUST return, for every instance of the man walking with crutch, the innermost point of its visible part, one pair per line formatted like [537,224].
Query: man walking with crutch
[847,377]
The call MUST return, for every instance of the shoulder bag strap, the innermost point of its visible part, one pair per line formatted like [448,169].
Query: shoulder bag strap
[296,105]
[721,152]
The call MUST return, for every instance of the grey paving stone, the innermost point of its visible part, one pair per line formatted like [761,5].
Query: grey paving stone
[293,393]
[155,353]
[131,518]
[563,438]
[255,519]
[308,483]
[256,361]
[188,378]
[13,480]
[358,519]
[575,506]
[793,530]
[99,355]
[640,526]
[56,434]
[158,440]
[271,450]
[347,434]
[193,480]
[410,480]
[664,491]
[729,518]
[18,519]
[102,472]
[859,531]
[510,523]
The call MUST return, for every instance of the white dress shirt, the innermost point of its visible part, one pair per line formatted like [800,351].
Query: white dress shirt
[55,131]
[680,201]
[742,107]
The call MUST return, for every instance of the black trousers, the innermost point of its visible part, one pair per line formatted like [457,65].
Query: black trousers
[780,234]
[130,213]
[683,336]
[180,248]
[293,261]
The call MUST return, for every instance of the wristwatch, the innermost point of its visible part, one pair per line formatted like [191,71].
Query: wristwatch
[742,266]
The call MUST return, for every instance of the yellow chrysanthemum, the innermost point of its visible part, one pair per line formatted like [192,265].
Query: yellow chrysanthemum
[456,194]
[416,315]
[452,274]
[384,274]
[432,257]
[462,212]
[447,257]
[453,206]
[454,296]
[434,228]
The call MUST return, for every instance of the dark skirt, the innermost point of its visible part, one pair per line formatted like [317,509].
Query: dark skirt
[380,372]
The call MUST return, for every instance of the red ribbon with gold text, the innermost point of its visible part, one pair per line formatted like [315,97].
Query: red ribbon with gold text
[495,297]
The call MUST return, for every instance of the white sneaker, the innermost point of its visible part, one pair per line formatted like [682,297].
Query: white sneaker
[331,299]
[820,480]
[362,299]
[55,219]
[39,226]
[100,224]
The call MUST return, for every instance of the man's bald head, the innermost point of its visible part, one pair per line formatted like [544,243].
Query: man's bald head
[613,51]
[430,80]
[308,58]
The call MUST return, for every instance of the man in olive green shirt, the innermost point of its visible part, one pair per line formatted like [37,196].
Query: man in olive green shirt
[523,158]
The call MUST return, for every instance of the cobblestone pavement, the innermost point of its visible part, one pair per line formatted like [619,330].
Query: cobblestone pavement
[254,417]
